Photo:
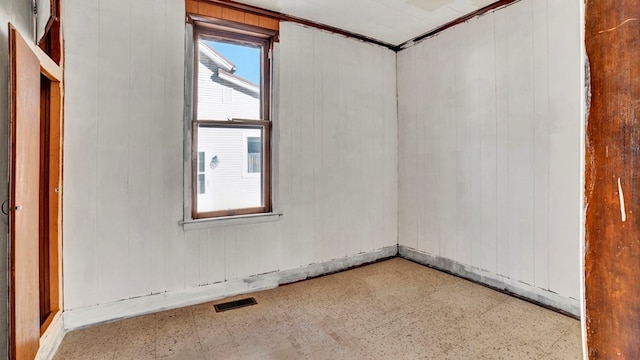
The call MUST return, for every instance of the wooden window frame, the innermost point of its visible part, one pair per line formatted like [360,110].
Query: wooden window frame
[241,34]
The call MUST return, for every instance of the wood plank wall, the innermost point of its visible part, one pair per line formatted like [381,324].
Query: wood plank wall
[490,148]
[124,156]
[206,8]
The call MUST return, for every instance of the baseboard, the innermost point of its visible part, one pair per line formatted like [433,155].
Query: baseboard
[51,339]
[329,267]
[83,317]
[536,295]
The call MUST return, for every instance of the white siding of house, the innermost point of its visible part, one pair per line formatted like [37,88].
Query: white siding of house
[489,135]
[124,157]
[228,186]
[217,101]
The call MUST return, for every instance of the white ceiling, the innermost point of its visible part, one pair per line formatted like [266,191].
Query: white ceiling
[389,21]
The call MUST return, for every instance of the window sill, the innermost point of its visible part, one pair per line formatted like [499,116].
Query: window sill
[230,221]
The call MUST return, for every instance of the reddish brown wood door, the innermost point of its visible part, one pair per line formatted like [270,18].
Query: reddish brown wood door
[24,199]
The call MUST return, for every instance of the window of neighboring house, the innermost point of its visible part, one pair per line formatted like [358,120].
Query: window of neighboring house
[231,121]
[201,173]
[254,154]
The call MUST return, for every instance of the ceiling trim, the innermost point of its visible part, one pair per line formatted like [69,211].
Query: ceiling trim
[230,4]
[495,6]
[284,17]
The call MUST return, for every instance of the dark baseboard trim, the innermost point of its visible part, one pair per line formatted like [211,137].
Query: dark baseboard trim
[545,298]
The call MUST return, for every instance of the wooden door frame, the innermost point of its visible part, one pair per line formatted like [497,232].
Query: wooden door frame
[53,72]
[53,192]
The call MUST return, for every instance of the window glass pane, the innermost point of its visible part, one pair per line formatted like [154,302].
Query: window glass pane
[254,154]
[201,184]
[229,76]
[201,161]
[231,184]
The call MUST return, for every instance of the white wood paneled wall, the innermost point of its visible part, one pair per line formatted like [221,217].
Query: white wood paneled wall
[123,156]
[338,145]
[490,144]
[123,149]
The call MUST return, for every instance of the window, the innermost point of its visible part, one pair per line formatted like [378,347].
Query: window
[254,154]
[231,147]
[201,174]
[201,184]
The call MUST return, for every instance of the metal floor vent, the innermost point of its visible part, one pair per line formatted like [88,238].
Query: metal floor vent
[231,305]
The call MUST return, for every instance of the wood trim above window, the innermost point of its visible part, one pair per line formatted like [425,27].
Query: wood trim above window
[214,24]
[249,15]
[200,8]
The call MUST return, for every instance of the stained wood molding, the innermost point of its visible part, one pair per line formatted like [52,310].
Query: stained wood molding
[247,14]
[495,6]
[228,13]
[612,180]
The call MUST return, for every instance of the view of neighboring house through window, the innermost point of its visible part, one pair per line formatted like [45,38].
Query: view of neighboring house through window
[254,154]
[231,125]
[201,173]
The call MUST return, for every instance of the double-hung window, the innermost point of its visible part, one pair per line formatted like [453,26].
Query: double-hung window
[231,127]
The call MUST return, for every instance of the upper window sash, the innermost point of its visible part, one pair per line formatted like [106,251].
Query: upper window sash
[264,43]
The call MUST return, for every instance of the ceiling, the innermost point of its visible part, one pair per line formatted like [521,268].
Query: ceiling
[391,21]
